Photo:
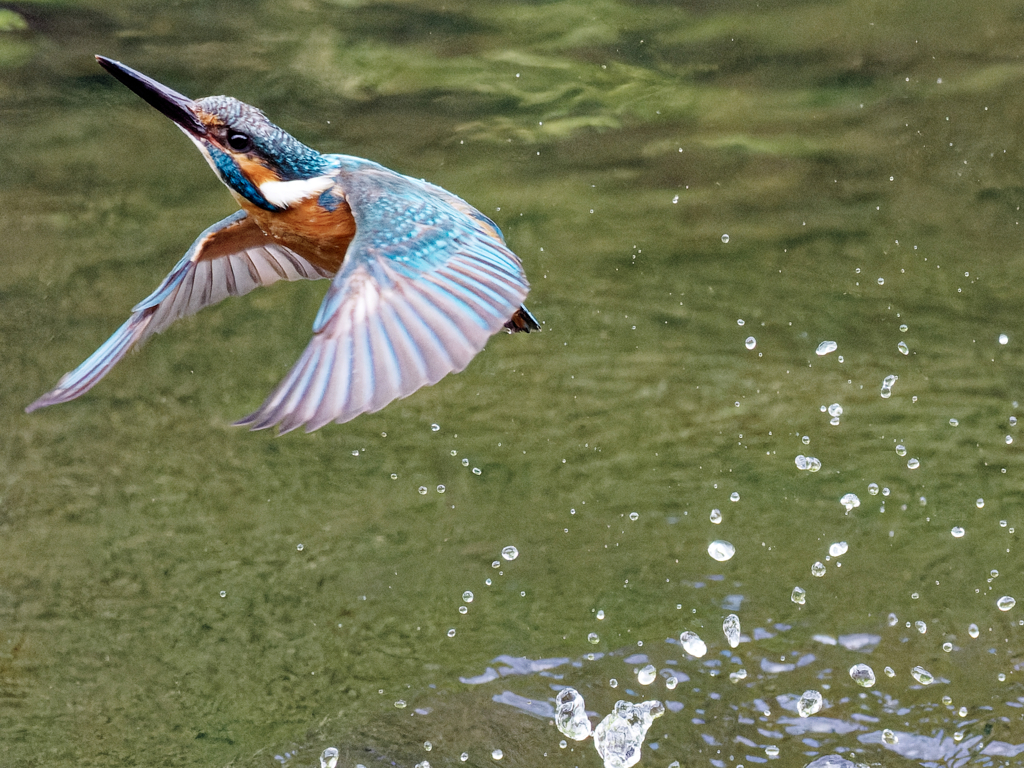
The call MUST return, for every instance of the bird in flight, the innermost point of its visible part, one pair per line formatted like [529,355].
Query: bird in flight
[420,279]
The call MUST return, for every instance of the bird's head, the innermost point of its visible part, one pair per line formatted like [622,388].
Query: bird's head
[257,161]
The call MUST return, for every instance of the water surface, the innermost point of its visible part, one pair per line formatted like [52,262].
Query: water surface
[701,194]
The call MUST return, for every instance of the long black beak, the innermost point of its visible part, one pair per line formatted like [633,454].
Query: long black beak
[179,108]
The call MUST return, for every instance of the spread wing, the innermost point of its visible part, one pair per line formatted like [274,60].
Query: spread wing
[230,258]
[426,281]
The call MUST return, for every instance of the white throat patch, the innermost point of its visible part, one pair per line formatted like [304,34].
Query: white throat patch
[285,194]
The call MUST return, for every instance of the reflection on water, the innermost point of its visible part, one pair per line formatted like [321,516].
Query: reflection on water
[829,394]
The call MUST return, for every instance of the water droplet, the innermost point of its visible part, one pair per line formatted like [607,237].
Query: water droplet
[862,675]
[922,675]
[463,610]
[725,238]
[850,501]
[958,532]
[675,199]
[873,489]
[671,683]
[973,631]
[464,756]
[881,280]
[920,626]
[772,751]
[887,385]
[716,516]
[799,595]
[734,496]
[400,704]
[621,734]
[739,674]
[476,470]
[750,343]
[497,754]
[329,757]
[613,683]
[435,427]
[427,746]
[888,737]
[1008,439]
[1005,603]
[451,632]
[825,348]
[913,463]
[600,615]
[809,704]
[903,329]
[440,489]
[634,516]
[422,490]
[903,348]
[721,550]
[394,476]
[465,462]
[947,647]
[901,450]
[692,644]
[571,714]
[731,628]
[593,638]
[838,549]
[818,569]
[647,675]
[1004,339]
[889,672]
[223,593]
[510,553]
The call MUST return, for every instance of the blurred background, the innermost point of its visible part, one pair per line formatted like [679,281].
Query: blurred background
[702,194]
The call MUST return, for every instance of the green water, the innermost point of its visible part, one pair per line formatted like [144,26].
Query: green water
[864,160]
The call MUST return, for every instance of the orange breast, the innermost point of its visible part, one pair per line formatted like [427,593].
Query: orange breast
[319,236]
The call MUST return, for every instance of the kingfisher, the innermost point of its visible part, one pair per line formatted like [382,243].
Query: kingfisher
[420,279]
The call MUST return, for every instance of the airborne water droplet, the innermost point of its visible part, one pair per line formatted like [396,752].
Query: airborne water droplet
[809,704]
[329,757]
[922,675]
[510,553]
[1005,603]
[731,628]
[571,714]
[647,675]
[692,644]
[825,348]
[721,550]
[863,675]
[799,595]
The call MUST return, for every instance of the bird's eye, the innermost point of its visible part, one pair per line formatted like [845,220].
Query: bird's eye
[239,141]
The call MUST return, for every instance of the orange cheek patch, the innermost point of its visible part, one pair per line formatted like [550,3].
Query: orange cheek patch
[253,170]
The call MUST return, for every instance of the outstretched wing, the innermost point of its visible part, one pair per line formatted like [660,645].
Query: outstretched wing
[230,258]
[426,281]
